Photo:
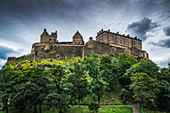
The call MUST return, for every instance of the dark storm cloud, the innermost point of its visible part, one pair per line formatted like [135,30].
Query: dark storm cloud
[150,6]
[5,51]
[32,9]
[167,31]
[140,28]
[162,43]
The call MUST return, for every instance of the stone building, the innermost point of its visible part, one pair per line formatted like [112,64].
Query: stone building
[78,39]
[116,39]
[46,38]
[106,42]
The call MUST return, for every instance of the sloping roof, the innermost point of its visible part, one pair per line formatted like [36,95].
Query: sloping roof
[77,34]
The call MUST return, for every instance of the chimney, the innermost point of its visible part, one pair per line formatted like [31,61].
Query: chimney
[44,30]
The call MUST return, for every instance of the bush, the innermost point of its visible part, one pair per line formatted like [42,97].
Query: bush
[93,107]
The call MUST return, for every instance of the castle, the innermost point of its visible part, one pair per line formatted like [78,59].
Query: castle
[108,43]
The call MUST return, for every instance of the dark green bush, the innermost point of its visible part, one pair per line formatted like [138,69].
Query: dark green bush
[93,106]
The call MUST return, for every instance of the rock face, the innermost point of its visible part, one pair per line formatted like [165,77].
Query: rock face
[60,50]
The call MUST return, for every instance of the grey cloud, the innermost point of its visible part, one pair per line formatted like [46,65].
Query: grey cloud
[167,30]
[5,51]
[162,43]
[164,63]
[36,9]
[140,28]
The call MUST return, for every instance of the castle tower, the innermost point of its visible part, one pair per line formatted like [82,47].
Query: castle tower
[78,39]
[46,38]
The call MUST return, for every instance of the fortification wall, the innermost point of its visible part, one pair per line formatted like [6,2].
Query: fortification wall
[101,48]
[61,51]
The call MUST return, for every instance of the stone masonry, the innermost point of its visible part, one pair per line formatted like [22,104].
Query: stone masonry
[106,42]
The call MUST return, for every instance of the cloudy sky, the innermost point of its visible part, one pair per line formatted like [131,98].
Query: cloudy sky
[22,22]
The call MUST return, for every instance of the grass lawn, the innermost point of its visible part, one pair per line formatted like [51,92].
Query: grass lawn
[84,109]
[103,109]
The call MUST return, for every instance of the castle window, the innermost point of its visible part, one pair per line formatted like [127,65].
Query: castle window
[120,40]
[124,41]
[127,42]
[78,38]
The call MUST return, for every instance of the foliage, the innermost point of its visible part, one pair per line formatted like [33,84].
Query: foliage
[5,87]
[52,52]
[84,109]
[57,97]
[144,89]
[109,72]
[29,88]
[31,53]
[54,84]
[144,66]
[163,100]
[125,62]
[79,87]
[98,85]
[93,107]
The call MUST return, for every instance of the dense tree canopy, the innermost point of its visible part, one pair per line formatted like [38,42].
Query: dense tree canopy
[56,84]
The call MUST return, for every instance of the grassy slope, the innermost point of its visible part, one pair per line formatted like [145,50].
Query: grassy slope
[84,109]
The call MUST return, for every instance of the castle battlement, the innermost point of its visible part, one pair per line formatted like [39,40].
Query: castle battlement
[108,43]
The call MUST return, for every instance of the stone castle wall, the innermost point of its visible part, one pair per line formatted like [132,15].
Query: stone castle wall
[42,51]
[107,43]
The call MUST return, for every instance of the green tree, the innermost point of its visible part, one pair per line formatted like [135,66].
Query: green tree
[5,87]
[80,86]
[125,62]
[109,72]
[144,66]
[92,65]
[165,73]
[163,100]
[144,89]
[58,95]
[30,88]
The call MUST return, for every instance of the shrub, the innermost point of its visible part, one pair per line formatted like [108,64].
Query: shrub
[31,53]
[93,106]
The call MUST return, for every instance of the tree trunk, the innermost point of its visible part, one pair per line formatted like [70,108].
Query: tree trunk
[79,103]
[60,111]
[139,107]
[35,108]
[40,110]
[99,101]
[6,106]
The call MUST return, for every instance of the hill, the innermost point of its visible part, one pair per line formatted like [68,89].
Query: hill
[106,80]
